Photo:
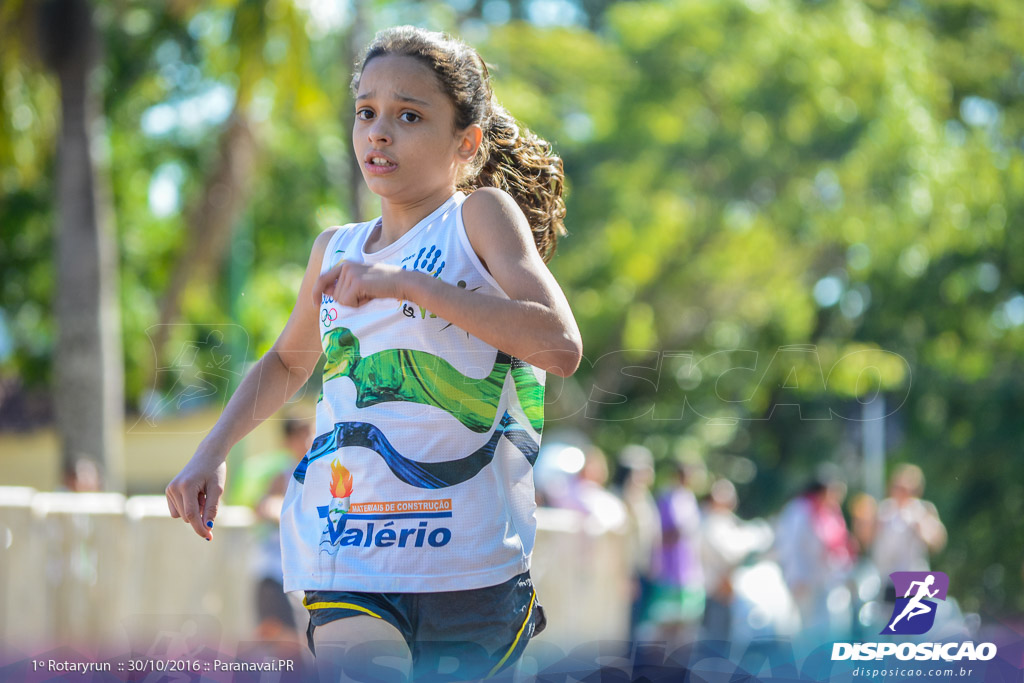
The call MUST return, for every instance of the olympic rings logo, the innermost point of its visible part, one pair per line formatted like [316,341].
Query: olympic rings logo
[329,315]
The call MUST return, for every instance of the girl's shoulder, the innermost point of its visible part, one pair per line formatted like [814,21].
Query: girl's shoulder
[327,234]
[494,221]
[326,244]
[489,203]
[335,234]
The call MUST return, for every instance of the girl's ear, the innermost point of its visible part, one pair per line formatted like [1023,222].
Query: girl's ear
[470,141]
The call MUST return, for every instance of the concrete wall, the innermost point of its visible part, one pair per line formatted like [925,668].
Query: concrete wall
[97,569]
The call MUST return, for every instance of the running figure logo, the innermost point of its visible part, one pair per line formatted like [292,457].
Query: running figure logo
[914,613]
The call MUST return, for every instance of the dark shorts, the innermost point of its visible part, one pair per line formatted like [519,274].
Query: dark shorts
[484,629]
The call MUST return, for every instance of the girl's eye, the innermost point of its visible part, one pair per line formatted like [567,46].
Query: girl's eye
[415,117]
[361,112]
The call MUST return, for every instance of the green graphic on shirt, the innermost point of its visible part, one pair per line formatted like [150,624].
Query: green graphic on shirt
[530,393]
[421,377]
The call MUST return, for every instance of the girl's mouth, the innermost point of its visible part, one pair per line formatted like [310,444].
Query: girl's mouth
[379,165]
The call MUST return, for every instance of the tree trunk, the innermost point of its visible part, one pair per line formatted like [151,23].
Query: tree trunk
[88,359]
[210,222]
[352,47]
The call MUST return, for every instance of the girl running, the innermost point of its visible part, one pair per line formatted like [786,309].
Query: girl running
[410,522]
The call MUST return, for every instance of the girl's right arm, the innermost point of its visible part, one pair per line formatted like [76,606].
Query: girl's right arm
[194,494]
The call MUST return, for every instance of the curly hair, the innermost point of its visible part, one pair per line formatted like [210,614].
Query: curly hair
[510,157]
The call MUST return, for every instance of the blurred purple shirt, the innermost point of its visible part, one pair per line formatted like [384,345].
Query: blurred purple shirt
[679,559]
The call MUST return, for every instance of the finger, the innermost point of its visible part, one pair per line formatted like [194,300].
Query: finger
[210,506]
[347,297]
[350,290]
[320,287]
[170,504]
[326,282]
[202,530]
[340,292]
[192,513]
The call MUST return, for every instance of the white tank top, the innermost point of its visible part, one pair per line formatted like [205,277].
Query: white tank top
[420,477]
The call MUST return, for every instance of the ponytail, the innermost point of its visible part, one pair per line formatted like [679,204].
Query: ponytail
[522,164]
[512,159]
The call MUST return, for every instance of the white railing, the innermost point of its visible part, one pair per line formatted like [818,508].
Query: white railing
[102,569]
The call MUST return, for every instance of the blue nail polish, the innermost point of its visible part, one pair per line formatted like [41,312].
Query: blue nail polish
[210,524]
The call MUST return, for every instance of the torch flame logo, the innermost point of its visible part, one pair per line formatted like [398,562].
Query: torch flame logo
[341,481]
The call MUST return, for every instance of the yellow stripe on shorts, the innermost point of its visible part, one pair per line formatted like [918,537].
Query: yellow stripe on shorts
[519,635]
[339,605]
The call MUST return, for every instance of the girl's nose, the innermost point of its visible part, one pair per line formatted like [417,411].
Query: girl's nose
[379,133]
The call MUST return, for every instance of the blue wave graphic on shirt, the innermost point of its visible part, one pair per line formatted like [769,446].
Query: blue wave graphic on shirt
[424,475]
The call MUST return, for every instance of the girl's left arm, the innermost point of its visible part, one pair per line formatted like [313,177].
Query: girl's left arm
[535,324]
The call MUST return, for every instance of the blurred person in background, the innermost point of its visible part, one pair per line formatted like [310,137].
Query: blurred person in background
[907,529]
[81,476]
[726,542]
[586,492]
[276,610]
[863,520]
[635,477]
[815,550]
[677,602]
[256,472]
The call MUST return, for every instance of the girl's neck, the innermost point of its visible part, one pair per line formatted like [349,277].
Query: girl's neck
[398,218]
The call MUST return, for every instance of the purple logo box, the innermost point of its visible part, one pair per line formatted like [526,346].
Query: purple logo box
[902,581]
[916,593]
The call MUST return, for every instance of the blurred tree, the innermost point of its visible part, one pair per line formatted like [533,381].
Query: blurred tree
[353,43]
[775,210]
[88,378]
[225,191]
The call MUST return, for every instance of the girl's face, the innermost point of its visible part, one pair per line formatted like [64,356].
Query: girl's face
[404,133]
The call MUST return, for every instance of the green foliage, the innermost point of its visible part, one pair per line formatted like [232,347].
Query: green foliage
[762,175]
